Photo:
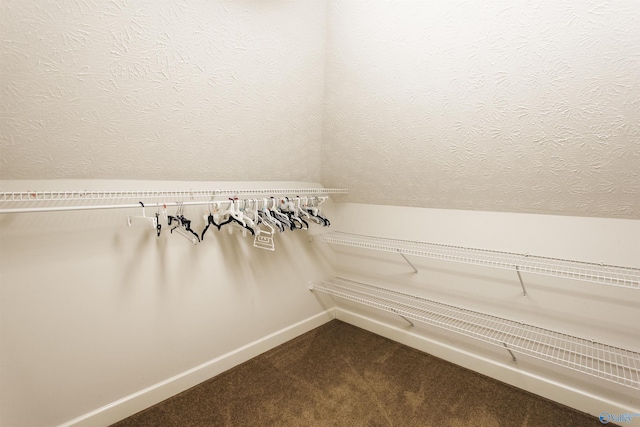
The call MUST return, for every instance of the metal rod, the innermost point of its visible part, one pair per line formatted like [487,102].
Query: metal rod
[524,291]
[120,206]
[510,352]
[35,196]
[407,320]
[96,207]
[408,262]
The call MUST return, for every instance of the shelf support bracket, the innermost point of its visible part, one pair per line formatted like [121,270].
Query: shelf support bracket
[524,291]
[407,320]
[408,262]
[510,352]
[403,318]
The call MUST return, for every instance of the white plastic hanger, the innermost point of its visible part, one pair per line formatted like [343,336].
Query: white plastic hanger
[149,221]
[264,238]
[181,228]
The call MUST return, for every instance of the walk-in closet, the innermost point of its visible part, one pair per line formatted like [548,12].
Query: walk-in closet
[319,212]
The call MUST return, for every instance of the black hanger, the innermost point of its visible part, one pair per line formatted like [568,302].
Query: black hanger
[182,222]
[159,226]
[281,216]
[210,221]
[325,221]
[171,218]
[267,219]
[294,224]
[232,219]
[187,226]
[296,221]
[306,224]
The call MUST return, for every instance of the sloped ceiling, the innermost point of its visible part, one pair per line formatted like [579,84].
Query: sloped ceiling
[184,90]
[528,106]
[532,106]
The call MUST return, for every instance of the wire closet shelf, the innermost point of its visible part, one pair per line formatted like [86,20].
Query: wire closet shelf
[32,196]
[593,358]
[25,200]
[611,275]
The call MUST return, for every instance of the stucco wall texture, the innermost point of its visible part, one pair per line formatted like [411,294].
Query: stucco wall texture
[527,106]
[167,90]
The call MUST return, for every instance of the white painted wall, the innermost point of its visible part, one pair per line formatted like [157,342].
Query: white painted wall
[526,106]
[93,311]
[197,90]
[602,313]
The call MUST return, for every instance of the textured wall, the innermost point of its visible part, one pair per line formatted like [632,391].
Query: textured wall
[177,90]
[527,106]
[532,106]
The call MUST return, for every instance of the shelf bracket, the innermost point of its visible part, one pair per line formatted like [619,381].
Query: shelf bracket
[407,320]
[408,262]
[403,318]
[524,291]
[510,352]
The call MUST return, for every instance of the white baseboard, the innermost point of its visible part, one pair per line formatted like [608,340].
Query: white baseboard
[541,386]
[150,396]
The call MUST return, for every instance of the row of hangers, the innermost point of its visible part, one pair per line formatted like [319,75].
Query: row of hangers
[261,218]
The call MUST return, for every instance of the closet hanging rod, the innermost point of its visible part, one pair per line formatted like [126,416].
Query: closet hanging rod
[34,196]
[95,207]
[119,206]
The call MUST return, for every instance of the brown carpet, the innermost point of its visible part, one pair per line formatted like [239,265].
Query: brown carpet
[340,375]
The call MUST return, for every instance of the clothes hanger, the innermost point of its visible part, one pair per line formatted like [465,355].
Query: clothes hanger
[289,209]
[280,215]
[158,225]
[227,214]
[265,214]
[241,218]
[183,227]
[142,220]
[314,212]
[264,238]
[187,234]
[317,210]
[210,219]
[236,216]
[297,208]
[176,217]
[281,210]
[249,214]
[321,200]
[300,212]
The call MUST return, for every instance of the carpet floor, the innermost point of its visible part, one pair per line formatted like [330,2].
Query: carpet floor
[340,375]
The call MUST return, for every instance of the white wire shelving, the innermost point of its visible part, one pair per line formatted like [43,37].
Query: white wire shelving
[586,356]
[31,196]
[22,202]
[611,275]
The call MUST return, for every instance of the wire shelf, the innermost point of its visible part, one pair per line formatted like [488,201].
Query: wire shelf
[612,275]
[592,358]
[32,196]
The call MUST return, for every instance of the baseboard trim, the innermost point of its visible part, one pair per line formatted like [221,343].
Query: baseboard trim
[545,387]
[156,393]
